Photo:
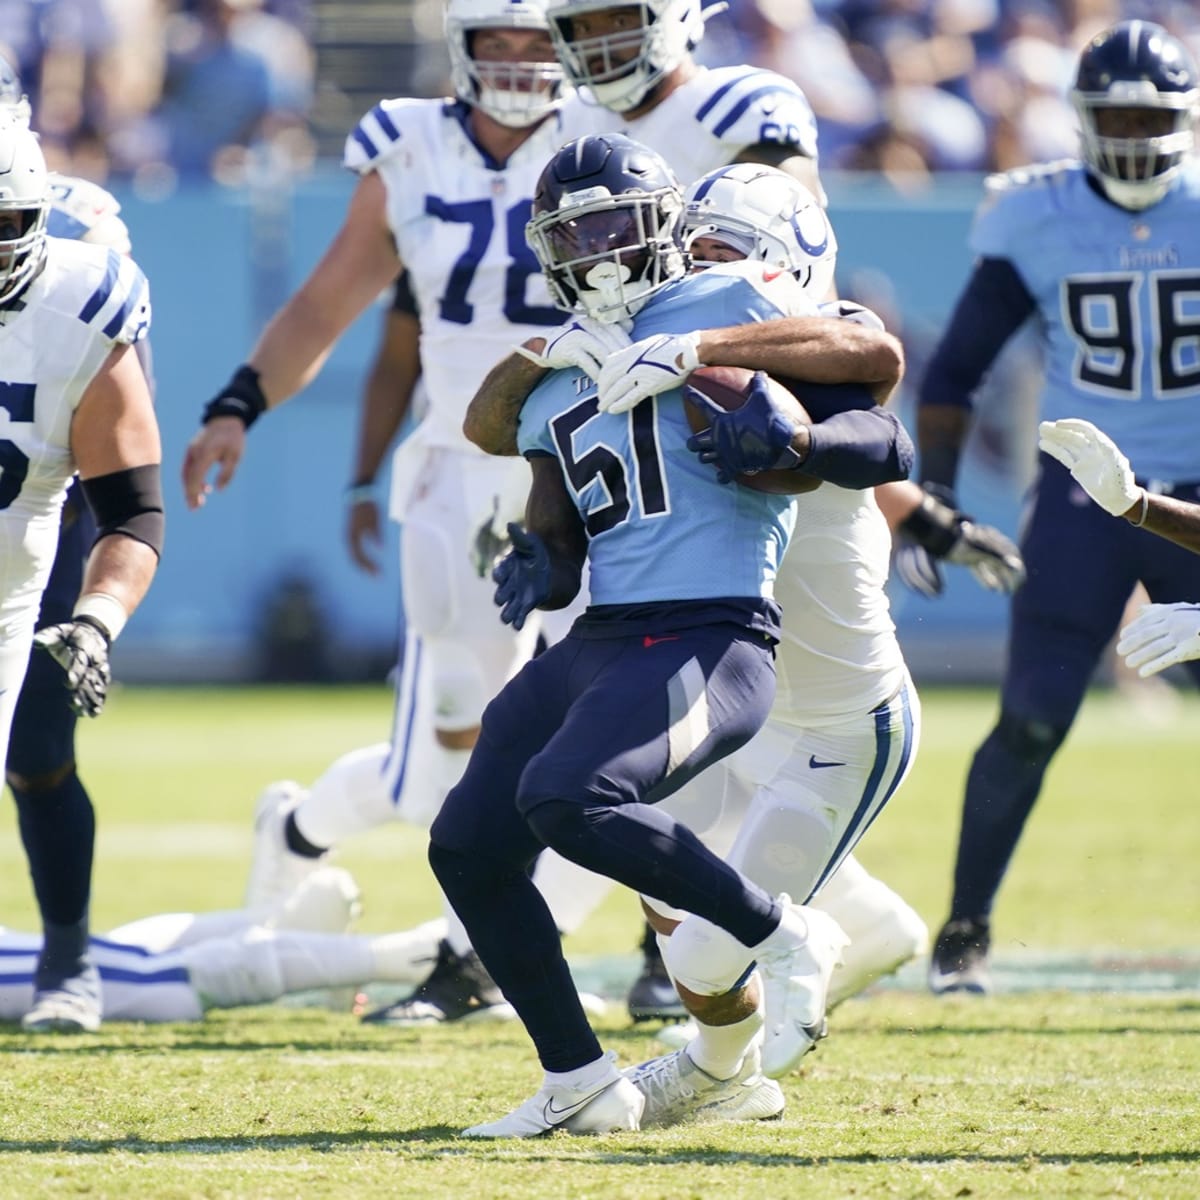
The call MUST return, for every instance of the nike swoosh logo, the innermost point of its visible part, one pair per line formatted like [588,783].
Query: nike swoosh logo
[816,764]
[649,641]
[556,1116]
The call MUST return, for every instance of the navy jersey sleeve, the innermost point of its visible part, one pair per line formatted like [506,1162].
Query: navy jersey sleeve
[992,307]
[860,448]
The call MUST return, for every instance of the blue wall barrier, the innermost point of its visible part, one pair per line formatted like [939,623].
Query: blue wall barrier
[221,261]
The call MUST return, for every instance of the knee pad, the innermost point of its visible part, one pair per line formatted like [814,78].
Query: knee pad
[460,689]
[785,846]
[1033,742]
[704,958]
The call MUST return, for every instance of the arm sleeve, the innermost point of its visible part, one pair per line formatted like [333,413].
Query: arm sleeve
[992,307]
[859,449]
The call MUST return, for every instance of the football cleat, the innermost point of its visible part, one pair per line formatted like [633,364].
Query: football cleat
[276,871]
[678,1091]
[70,1006]
[652,996]
[959,962]
[457,989]
[611,1103]
[797,964]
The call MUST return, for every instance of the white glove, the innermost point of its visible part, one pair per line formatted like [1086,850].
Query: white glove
[1095,461]
[80,647]
[1160,636]
[653,365]
[582,343]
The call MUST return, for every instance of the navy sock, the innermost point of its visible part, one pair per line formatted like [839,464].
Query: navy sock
[58,829]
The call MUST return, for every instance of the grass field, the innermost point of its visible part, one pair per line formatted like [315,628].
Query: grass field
[1046,1094]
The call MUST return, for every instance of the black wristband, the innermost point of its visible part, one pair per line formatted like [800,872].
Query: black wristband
[241,397]
[933,525]
[84,619]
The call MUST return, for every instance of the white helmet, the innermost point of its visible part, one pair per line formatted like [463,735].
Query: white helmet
[24,201]
[768,216]
[665,34]
[517,94]
[14,104]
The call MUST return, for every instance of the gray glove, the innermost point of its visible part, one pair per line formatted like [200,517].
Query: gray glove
[80,647]
[938,532]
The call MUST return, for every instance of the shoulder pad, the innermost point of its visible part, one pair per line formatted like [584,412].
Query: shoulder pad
[380,132]
[746,106]
[1035,175]
[850,310]
[83,211]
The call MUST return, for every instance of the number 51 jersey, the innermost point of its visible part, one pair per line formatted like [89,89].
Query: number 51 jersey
[1118,298]
[53,340]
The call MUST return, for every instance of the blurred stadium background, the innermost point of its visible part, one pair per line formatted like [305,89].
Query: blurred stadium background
[219,125]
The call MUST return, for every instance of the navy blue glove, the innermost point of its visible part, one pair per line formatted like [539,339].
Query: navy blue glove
[522,576]
[743,441]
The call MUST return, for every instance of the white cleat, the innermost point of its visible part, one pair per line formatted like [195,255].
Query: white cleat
[610,1104]
[275,871]
[62,1012]
[678,1091]
[797,963]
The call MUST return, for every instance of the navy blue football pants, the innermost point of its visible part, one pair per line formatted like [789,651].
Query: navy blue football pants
[54,812]
[572,754]
[1082,565]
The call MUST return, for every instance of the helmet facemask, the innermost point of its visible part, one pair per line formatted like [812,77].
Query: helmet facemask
[24,204]
[1137,172]
[516,94]
[621,68]
[606,255]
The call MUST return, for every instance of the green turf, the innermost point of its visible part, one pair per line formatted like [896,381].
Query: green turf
[1044,1094]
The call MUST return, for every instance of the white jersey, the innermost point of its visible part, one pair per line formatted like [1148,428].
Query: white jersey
[83,211]
[53,341]
[839,656]
[459,219]
[718,113]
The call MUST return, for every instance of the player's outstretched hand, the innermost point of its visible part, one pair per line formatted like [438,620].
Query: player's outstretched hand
[220,443]
[655,364]
[80,647]
[489,541]
[583,343]
[756,436]
[1094,460]
[1160,636]
[522,576]
[991,557]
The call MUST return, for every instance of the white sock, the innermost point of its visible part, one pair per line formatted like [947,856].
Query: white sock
[350,797]
[590,1075]
[448,768]
[718,1050]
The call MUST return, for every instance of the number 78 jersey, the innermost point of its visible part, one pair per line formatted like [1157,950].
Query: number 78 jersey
[459,221]
[1118,298]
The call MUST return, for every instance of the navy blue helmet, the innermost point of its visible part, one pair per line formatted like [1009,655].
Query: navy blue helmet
[1136,65]
[607,226]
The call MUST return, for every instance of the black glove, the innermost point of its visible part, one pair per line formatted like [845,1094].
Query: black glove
[487,544]
[80,647]
[522,576]
[743,441]
[939,532]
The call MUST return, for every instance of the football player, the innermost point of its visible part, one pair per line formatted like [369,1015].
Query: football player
[1105,254]
[670,668]
[176,966]
[77,400]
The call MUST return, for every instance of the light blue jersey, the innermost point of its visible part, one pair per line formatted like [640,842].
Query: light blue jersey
[660,526]
[1118,296]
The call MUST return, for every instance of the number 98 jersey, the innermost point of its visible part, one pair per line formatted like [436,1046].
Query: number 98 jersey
[1118,298]
[459,219]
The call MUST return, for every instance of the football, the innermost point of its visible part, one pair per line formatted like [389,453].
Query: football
[729,387]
